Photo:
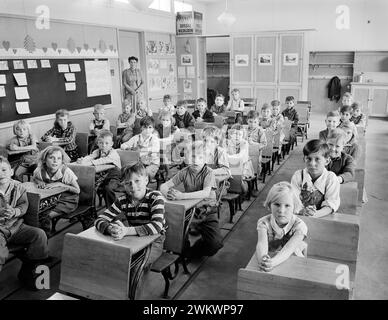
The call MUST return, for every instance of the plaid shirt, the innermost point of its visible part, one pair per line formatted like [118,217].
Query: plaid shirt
[68,135]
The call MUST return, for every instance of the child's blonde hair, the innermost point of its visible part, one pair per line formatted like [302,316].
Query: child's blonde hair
[49,151]
[5,160]
[213,132]
[21,124]
[337,134]
[279,190]
[235,90]
[265,106]
[98,108]
[166,114]
[126,102]
[62,113]
[103,134]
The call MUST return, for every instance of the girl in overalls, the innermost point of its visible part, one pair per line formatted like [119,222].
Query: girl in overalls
[318,188]
[52,172]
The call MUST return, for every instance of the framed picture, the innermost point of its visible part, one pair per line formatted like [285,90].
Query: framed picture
[265,59]
[242,60]
[290,59]
[186,59]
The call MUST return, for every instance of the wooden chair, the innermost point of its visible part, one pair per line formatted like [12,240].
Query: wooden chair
[81,140]
[302,111]
[249,104]
[178,221]
[128,157]
[296,278]
[267,154]
[3,151]
[306,103]
[276,149]
[286,143]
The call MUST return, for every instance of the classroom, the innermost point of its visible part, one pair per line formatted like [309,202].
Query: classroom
[174,150]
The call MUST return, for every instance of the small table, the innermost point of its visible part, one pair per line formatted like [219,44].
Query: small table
[40,200]
[96,266]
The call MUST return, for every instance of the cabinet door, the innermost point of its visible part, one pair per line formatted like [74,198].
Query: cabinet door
[379,102]
[264,95]
[245,91]
[241,59]
[291,58]
[361,95]
[266,66]
[202,74]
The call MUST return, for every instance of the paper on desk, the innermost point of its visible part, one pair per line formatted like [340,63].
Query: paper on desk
[22,107]
[63,68]
[45,63]
[21,93]
[75,67]
[70,86]
[32,64]
[3,65]
[3,79]
[70,76]
[18,64]
[2,91]
[20,78]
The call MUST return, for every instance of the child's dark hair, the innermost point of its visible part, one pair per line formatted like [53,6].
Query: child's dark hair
[201,100]
[290,98]
[182,103]
[356,106]
[332,114]
[252,114]
[133,58]
[266,106]
[314,146]
[166,96]
[147,121]
[61,113]
[138,168]
[5,160]
[220,95]
[275,103]
[346,109]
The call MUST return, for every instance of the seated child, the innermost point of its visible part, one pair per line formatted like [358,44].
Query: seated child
[346,113]
[341,164]
[219,105]
[236,104]
[148,145]
[167,104]
[277,117]
[125,120]
[63,133]
[347,99]
[291,115]
[183,119]
[96,125]
[168,135]
[23,140]
[256,134]
[202,114]
[351,146]
[199,183]
[13,232]
[105,154]
[281,233]
[358,118]
[332,122]
[265,120]
[52,172]
[143,208]
[318,188]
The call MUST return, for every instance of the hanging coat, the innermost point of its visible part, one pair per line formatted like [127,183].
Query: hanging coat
[334,89]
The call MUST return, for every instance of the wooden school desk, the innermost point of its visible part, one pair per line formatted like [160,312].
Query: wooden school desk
[40,200]
[95,266]
[99,168]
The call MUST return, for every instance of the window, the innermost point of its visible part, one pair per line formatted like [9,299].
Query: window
[162,5]
[180,6]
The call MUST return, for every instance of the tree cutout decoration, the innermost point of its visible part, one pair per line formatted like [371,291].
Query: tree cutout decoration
[15,50]
[79,49]
[59,51]
[44,49]
[71,45]
[86,46]
[94,49]
[29,44]
[54,46]
[111,47]
[102,46]
[6,45]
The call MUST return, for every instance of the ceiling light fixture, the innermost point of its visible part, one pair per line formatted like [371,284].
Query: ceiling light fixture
[226,18]
[141,5]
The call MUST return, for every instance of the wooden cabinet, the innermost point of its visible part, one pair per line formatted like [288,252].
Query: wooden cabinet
[269,65]
[372,96]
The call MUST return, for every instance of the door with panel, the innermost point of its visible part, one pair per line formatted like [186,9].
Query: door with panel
[265,94]
[241,60]
[362,95]
[202,72]
[379,102]
[291,59]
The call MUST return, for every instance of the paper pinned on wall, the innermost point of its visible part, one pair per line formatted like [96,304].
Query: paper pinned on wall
[21,93]
[3,79]
[70,86]
[32,64]
[75,67]
[3,65]
[63,68]
[181,72]
[191,72]
[23,107]
[18,64]
[163,64]
[70,76]
[45,63]
[98,81]
[20,78]
[2,91]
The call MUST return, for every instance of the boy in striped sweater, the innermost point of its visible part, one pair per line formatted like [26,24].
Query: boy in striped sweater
[143,208]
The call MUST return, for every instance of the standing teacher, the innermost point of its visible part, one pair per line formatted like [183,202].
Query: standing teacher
[132,81]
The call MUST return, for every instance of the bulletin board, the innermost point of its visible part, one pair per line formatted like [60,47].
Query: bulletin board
[47,89]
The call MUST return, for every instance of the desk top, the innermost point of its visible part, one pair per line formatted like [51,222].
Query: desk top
[100,168]
[184,204]
[134,243]
[31,187]
[13,152]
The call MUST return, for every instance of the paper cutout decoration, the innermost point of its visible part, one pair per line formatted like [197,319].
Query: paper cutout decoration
[45,63]
[71,45]
[63,68]
[54,45]
[75,67]
[3,65]
[70,86]
[20,78]
[3,79]
[32,64]
[18,64]
[102,46]
[21,93]
[23,107]
[70,76]
[29,44]
[6,45]
[2,91]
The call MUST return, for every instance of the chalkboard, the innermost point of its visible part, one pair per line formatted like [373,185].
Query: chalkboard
[46,88]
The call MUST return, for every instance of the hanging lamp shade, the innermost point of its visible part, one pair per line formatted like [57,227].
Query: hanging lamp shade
[226,18]
[141,5]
